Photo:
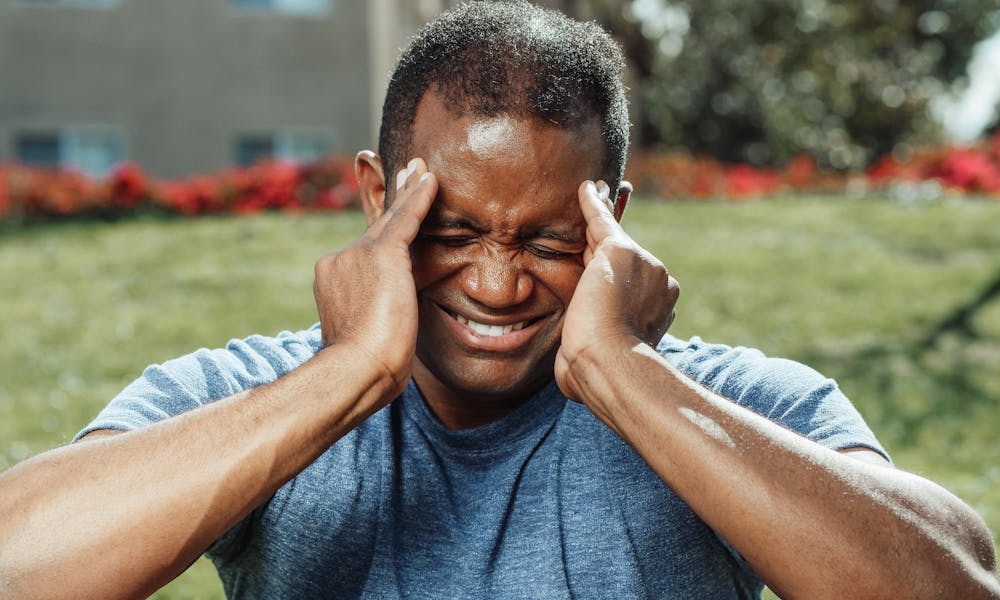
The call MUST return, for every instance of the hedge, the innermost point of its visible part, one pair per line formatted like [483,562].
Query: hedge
[35,193]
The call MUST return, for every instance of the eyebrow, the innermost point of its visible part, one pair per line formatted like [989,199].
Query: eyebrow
[455,222]
[558,236]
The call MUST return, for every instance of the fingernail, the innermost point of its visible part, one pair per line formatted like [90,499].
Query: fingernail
[591,187]
[426,175]
[602,189]
[411,167]
[401,178]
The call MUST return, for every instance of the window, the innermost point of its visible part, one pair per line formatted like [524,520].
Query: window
[292,7]
[301,147]
[39,149]
[93,151]
[290,147]
[253,148]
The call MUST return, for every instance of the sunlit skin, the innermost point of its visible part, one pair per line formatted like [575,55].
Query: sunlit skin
[501,246]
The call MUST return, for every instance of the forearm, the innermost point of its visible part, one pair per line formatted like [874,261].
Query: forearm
[122,515]
[814,523]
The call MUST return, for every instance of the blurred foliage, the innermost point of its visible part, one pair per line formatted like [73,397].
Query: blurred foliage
[763,81]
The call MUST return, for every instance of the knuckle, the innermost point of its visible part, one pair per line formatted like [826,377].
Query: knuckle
[659,267]
[323,264]
[362,245]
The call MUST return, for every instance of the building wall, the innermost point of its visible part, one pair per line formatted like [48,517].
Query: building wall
[182,79]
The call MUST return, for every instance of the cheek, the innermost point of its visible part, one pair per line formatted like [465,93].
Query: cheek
[433,262]
[560,277]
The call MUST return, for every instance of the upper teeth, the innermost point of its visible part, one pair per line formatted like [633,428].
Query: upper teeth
[490,330]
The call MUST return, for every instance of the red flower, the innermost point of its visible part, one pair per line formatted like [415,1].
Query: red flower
[196,196]
[968,169]
[800,171]
[127,186]
[706,176]
[888,168]
[744,181]
[5,206]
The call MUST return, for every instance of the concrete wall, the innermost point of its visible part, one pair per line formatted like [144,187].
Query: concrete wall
[182,78]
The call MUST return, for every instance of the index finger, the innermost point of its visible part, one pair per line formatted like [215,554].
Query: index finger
[404,189]
[404,216]
[596,207]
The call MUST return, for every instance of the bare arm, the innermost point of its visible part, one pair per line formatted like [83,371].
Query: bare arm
[813,523]
[120,515]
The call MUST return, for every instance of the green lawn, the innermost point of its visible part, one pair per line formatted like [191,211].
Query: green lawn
[848,286]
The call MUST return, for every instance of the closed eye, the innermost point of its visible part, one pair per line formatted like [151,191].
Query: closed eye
[548,253]
[449,240]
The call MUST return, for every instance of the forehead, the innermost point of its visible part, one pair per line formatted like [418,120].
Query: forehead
[518,166]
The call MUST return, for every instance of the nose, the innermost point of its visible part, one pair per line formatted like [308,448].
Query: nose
[496,279]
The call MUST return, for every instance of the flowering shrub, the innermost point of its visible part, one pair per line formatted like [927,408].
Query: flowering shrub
[972,169]
[967,170]
[671,176]
[31,193]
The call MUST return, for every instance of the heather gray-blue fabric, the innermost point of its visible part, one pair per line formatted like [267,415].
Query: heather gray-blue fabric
[544,503]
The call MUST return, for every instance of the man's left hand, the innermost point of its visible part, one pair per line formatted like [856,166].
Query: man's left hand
[625,295]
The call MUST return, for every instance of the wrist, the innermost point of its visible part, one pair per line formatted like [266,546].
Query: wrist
[600,370]
[354,367]
[606,350]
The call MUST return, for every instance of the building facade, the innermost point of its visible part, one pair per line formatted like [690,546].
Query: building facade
[188,86]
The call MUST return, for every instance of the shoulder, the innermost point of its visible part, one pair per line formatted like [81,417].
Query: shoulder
[241,364]
[785,391]
[206,375]
[728,369]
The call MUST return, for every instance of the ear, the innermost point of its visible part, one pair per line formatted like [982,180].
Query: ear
[371,184]
[621,200]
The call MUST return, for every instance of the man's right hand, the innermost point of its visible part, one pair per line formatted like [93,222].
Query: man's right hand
[365,294]
[79,521]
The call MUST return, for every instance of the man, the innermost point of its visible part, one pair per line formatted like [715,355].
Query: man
[420,442]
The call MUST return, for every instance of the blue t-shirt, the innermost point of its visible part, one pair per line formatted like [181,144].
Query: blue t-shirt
[546,502]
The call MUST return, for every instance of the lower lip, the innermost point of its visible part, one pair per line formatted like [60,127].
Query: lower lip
[507,342]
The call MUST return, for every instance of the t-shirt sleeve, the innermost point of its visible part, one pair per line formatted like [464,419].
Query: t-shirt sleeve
[202,377]
[784,391]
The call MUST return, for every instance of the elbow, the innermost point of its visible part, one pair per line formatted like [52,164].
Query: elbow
[956,557]
[943,549]
[983,567]
[981,557]
[970,571]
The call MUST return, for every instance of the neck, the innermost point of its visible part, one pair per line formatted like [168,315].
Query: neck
[456,410]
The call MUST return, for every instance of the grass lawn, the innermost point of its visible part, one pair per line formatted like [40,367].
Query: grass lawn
[848,286]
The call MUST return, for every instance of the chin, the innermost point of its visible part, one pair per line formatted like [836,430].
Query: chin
[486,380]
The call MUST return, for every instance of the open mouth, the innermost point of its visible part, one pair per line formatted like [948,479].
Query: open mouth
[493,339]
[491,330]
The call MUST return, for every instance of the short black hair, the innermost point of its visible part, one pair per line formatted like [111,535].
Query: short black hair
[514,58]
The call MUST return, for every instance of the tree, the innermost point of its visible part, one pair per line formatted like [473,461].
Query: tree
[762,81]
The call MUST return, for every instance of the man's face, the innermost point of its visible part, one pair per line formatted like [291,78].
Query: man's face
[500,253]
